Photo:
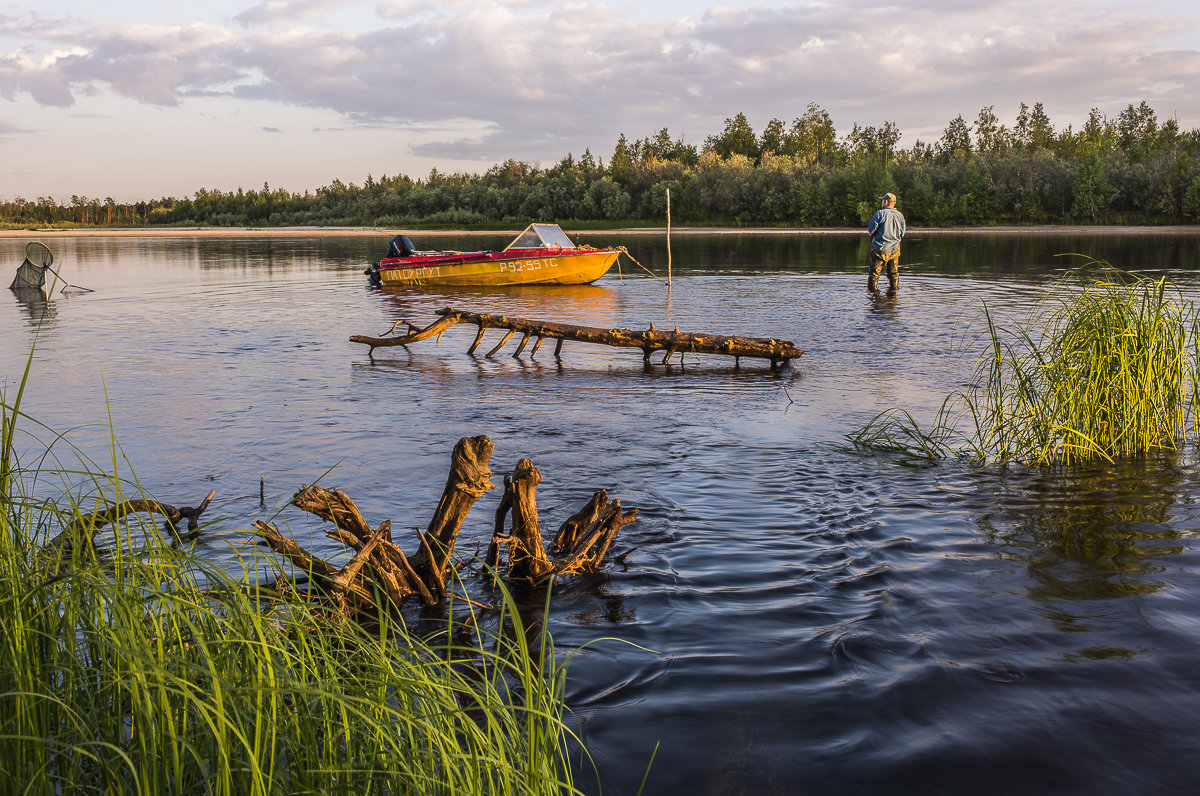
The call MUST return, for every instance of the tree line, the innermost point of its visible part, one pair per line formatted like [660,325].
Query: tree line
[1132,169]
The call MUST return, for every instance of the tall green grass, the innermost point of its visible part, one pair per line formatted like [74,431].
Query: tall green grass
[147,671]
[1106,367]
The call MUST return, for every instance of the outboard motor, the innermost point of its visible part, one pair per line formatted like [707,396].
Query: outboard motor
[401,246]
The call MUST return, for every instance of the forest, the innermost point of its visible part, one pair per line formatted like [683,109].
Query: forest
[1134,169]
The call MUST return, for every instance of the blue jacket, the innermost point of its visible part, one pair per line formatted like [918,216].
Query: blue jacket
[886,230]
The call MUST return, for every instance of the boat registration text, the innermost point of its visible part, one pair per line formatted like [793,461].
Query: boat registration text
[528,265]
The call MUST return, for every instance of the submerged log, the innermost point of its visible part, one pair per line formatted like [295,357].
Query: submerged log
[649,341]
[83,529]
[579,546]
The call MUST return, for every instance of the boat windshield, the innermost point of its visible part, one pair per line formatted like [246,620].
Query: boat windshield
[541,236]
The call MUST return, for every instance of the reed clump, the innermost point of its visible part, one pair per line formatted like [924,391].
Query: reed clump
[145,670]
[1106,367]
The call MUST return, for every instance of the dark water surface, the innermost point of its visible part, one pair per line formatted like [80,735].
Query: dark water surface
[808,619]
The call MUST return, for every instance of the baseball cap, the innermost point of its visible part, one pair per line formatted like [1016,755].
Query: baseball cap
[891,197]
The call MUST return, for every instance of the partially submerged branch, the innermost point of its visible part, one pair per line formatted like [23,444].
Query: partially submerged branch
[379,577]
[649,341]
[83,529]
[579,546]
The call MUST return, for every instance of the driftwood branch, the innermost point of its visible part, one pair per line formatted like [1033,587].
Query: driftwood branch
[579,546]
[527,559]
[334,506]
[270,536]
[468,480]
[83,529]
[649,341]
[379,577]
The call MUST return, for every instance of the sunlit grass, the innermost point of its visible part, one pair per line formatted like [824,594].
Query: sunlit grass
[146,670]
[1106,367]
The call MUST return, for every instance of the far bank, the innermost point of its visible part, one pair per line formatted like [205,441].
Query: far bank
[185,232]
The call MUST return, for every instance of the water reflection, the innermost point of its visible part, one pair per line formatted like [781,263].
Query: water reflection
[594,305]
[1093,533]
[38,308]
[883,305]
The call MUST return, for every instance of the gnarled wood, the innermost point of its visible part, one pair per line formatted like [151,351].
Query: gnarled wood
[83,529]
[270,536]
[380,577]
[527,559]
[579,546]
[650,340]
[575,525]
[468,480]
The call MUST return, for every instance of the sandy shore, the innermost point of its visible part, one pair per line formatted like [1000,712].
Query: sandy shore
[280,232]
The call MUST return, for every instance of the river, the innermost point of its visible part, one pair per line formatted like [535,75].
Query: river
[797,617]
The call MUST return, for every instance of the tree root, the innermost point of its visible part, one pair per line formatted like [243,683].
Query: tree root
[380,577]
[579,546]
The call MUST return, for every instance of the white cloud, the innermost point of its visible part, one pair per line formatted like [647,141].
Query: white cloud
[272,12]
[539,78]
[152,64]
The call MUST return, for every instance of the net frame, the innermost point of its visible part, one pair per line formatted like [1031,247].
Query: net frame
[32,272]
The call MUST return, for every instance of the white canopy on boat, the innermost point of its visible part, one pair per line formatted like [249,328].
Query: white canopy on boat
[541,236]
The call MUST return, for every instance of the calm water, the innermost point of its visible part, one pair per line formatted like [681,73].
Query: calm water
[814,620]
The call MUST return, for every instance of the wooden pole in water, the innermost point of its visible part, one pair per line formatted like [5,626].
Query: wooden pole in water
[668,238]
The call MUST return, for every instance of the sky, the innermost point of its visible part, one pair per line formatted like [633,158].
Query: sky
[141,99]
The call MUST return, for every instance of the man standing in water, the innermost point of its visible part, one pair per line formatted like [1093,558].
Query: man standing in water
[886,229]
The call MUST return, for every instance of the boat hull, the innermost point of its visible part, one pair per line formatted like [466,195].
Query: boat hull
[499,268]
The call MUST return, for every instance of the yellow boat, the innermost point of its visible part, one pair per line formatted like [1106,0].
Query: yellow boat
[541,255]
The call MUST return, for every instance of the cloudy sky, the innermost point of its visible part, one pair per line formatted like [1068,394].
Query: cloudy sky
[148,98]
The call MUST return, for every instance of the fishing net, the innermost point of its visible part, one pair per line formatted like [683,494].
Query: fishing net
[32,272]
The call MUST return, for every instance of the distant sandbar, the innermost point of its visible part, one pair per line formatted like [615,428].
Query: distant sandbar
[279,232]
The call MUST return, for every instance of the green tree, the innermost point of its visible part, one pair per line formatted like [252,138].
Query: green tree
[1095,134]
[737,138]
[1137,129]
[991,137]
[956,139]
[1041,131]
[661,147]
[1034,129]
[1093,194]
[875,144]
[1191,201]
[813,138]
[772,139]
[621,163]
